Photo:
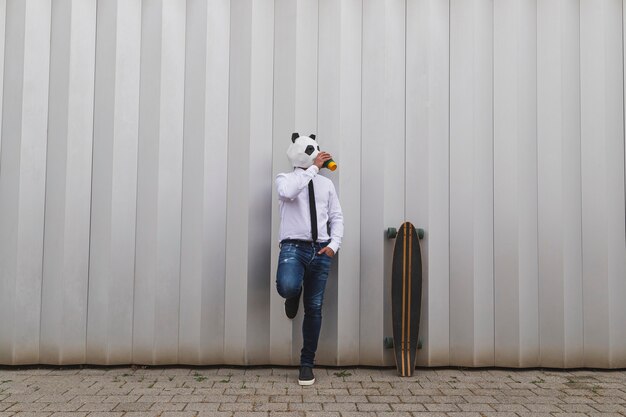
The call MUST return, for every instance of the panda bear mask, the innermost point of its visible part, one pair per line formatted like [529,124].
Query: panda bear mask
[302,151]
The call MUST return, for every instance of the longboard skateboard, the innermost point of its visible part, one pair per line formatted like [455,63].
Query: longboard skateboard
[406,296]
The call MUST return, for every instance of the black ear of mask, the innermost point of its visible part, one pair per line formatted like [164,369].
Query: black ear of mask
[294,136]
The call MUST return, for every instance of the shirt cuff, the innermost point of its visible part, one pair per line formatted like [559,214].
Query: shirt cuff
[313,169]
[334,246]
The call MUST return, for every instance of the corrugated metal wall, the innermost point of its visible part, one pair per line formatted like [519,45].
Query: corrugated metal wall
[138,219]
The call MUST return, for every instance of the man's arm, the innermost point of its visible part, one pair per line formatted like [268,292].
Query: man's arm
[335,218]
[292,184]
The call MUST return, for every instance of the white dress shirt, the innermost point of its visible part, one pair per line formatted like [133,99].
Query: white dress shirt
[293,201]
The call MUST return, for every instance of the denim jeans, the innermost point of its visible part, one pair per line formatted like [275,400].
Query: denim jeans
[300,264]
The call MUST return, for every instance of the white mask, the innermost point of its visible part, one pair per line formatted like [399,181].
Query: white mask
[302,151]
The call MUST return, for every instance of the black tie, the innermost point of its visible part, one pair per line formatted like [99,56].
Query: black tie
[313,211]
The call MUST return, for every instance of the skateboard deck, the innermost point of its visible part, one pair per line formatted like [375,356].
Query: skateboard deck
[406,297]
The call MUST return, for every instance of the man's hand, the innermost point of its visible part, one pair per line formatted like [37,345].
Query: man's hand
[328,251]
[321,158]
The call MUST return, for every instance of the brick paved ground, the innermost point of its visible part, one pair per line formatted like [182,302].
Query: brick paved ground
[266,392]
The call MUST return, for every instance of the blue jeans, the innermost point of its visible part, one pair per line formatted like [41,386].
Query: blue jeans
[300,264]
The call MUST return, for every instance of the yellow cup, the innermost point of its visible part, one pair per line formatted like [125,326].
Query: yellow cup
[330,164]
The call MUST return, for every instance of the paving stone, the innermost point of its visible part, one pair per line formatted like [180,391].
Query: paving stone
[132,407]
[121,398]
[142,414]
[474,407]
[512,408]
[476,399]
[253,399]
[69,414]
[186,398]
[236,407]
[158,399]
[97,407]
[305,407]
[167,407]
[609,408]
[383,399]
[339,406]
[22,398]
[597,414]
[286,398]
[202,407]
[442,407]
[393,414]
[179,414]
[318,398]
[407,407]
[569,414]
[333,391]
[543,408]
[448,399]
[219,398]
[67,407]
[33,414]
[372,407]
[350,398]
[82,399]
[26,406]
[270,407]
[105,414]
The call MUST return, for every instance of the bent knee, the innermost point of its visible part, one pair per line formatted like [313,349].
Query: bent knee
[288,291]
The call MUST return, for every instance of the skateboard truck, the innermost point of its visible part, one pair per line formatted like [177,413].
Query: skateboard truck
[392,233]
[388,343]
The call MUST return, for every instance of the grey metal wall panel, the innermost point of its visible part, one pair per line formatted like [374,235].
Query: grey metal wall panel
[249,184]
[159,182]
[114,183]
[471,183]
[68,182]
[383,138]
[203,246]
[23,177]
[559,186]
[339,131]
[283,124]
[150,161]
[3,15]
[428,166]
[515,184]
[327,130]
[261,184]
[602,134]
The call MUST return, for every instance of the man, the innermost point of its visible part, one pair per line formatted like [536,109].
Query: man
[311,229]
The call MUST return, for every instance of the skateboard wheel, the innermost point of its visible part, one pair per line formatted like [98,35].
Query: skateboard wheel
[388,342]
[392,232]
[420,233]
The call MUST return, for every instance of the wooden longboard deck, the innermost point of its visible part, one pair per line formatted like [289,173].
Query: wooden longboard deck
[406,297]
